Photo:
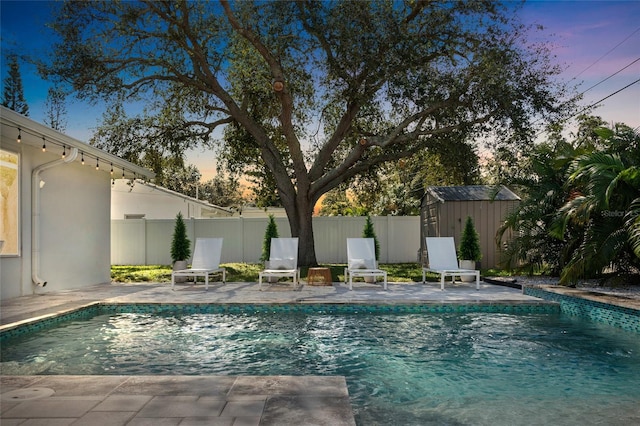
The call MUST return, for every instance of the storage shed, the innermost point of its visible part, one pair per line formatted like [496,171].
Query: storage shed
[444,210]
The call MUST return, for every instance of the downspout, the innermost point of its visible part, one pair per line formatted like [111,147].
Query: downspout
[35,214]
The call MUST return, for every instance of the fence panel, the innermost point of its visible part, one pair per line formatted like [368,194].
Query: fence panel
[139,242]
[128,242]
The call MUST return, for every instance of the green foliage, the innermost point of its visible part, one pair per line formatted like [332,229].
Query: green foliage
[364,84]
[221,191]
[337,203]
[248,272]
[579,215]
[606,184]
[180,244]
[370,232]
[140,273]
[55,110]
[13,94]
[269,233]
[469,242]
[397,188]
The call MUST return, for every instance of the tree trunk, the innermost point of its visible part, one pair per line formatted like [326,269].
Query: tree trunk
[300,215]
[306,246]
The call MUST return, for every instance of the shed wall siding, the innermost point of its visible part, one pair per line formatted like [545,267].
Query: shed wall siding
[447,220]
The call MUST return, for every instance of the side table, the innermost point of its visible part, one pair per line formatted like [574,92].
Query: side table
[319,276]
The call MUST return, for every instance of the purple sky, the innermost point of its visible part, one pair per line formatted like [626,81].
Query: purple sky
[594,40]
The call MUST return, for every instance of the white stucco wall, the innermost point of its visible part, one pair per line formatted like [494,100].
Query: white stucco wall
[154,203]
[74,226]
[74,215]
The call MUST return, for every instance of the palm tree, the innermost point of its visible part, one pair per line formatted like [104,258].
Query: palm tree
[607,207]
[542,187]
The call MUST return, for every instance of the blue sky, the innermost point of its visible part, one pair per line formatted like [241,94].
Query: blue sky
[595,40]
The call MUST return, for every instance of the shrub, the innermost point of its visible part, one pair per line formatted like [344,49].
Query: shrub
[369,232]
[270,232]
[470,242]
[180,245]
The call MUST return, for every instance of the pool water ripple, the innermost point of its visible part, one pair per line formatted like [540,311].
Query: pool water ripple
[451,368]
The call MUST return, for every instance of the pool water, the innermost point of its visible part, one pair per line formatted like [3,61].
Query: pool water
[401,369]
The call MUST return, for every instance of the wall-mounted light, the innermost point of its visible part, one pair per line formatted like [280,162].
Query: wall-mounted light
[19,135]
[44,144]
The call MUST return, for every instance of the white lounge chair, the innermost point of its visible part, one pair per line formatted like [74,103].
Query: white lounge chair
[283,260]
[443,261]
[361,261]
[206,261]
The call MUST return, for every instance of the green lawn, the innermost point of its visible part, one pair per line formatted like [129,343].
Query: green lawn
[248,272]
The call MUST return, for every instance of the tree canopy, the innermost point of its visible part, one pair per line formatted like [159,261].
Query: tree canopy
[312,93]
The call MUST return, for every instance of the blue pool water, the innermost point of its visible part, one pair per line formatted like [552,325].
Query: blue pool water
[401,369]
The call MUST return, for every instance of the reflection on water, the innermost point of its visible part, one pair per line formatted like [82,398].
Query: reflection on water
[471,369]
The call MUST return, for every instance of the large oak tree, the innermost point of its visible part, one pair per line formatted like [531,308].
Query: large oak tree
[314,92]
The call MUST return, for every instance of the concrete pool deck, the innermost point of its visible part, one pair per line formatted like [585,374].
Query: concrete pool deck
[212,400]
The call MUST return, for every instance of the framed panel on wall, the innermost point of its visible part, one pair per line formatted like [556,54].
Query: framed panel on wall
[9,203]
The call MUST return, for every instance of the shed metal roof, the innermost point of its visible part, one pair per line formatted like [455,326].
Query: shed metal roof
[471,193]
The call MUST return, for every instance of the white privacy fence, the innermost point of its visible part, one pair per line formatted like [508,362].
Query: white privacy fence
[148,242]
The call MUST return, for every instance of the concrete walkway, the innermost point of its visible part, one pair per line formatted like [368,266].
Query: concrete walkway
[195,400]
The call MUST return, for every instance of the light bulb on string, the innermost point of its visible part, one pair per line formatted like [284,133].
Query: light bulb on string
[97,163]
[123,173]
[44,144]
[64,151]
[111,168]
[82,157]
[19,135]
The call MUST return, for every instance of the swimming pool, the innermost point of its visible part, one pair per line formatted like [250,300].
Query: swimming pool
[402,368]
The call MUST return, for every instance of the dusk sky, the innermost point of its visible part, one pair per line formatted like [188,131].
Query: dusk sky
[598,42]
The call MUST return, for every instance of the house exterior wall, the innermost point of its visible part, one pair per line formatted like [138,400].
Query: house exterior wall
[153,204]
[447,219]
[74,226]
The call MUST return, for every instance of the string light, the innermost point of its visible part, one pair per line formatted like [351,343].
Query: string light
[64,151]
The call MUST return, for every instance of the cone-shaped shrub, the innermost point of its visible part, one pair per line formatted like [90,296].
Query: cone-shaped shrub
[270,232]
[469,242]
[369,232]
[180,245]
